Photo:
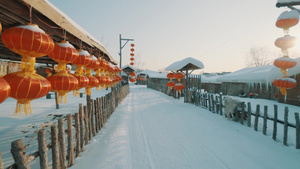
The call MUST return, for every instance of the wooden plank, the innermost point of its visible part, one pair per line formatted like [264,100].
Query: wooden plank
[77,134]
[19,155]
[297,130]
[285,130]
[82,127]
[42,149]
[275,122]
[1,162]
[256,117]
[86,120]
[265,120]
[55,152]
[249,115]
[62,144]
[70,141]
[91,113]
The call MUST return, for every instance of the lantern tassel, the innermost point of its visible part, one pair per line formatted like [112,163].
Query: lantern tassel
[62,96]
[283,91]
[76,93]
[88,91]
[284,71]
[23,106]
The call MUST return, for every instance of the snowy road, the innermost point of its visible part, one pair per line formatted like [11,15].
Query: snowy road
[150,130]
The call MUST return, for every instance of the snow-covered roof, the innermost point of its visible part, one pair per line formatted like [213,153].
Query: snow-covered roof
[281,3]
[211,79]
[262,74]
[154,74]
[187,63]
[61,19]
[128,67]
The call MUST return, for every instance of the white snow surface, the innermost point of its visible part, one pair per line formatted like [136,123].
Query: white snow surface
[154,74]
[152,130]
[293,14]
[262,74]
[180,64]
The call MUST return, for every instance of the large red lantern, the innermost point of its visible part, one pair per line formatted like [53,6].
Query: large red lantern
[179,87]
[178,76]
[285,63]
[4,90]
[284,83]
[26,86]
[63,83]
[287,19]
[171,84]
[30,42]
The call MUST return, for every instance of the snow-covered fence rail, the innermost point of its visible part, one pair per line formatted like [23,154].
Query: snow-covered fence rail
[85,124]
[214,103]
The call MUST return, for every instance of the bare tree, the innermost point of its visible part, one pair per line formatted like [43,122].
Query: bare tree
[259,56]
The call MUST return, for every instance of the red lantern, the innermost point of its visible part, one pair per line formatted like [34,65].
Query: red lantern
[171,84]
[285,63]
[131,63]
[26,86]
[132,50]
[179,87]
[4,90]
[63,83]
[132,54]
[29,41]
[132,59]
[170,76]
[132,80]
[132,74]
[132,45]
[286,42]
[284,83]
[178,76]
[287,19]
[93,82]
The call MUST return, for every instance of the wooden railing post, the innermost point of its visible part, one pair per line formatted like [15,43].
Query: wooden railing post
[275,122]
[256,117]
[297,131]
[62,143]
[42,149]
[70,141]
[55,152]
[285,131]
[1,162]
[249,114]
[82,127]
[86,120]
[77,134]
[265,120]
[18,153]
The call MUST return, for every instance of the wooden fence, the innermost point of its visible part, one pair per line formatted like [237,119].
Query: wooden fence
[87,123]
[214,103]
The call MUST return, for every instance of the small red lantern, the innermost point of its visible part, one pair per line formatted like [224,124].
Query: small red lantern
[132,54]
[132,45]
[132,59]
[132,80]
[132,50]
[171,84]
[179,87]
[93,82]
[131,63]
[284,83]
[132,74]
[179,76]
[170,76]
[4,90]
[287,19]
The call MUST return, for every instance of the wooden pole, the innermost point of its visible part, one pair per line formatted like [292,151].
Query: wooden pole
[275,122]
[56,100]
[42,149]
[265,120]
[249,115]
[62,143]
[19,155]
[285,131]
[86,125]
[70,141]
[96,116]
[77,134]
[1,162]
[221,105]
[297,131]
[91,115]
[212,103]
[243,113]
[82,127]
[256,117]
[55,152]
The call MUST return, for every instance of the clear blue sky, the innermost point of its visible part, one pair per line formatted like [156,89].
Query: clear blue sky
[217,32]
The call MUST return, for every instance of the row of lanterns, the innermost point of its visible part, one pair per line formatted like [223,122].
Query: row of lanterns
[132,54]
[31,42]
[132,77]
[285,21]
[171,84]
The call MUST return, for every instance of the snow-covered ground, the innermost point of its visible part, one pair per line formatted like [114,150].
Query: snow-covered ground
[13,127]
[152,130]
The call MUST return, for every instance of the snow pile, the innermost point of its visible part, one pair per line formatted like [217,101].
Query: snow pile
[182,63]
[211,79]
[154,74]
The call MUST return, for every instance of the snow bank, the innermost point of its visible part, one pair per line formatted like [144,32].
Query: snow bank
[182,63]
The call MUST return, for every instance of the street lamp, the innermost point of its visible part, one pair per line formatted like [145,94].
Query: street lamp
[121,47]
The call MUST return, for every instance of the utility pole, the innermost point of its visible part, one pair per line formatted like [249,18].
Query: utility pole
[121,47]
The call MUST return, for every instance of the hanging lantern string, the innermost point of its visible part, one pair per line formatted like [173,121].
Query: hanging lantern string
[30,12]
[65,34]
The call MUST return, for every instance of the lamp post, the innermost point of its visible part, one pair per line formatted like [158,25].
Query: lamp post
[122,46]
